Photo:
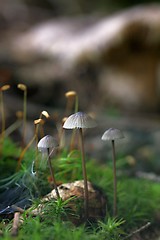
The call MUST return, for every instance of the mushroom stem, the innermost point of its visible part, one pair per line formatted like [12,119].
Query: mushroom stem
[24,151]
[24,117]
[3,123]
[74,131]
[84,175]
[114,180]
[3,115]
[76,105]
[52,174]
[14,230]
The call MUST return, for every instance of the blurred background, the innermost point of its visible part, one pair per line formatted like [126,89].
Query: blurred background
[107,51]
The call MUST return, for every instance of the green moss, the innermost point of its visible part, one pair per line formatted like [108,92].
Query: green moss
[138,200]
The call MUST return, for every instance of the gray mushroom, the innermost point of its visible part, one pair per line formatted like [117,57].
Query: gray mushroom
[79,121]
[113,134]
[47,145]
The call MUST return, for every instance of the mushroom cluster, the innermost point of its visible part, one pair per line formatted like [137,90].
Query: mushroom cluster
[79,121]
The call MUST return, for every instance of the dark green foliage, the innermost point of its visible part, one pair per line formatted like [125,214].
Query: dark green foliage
[8,160]
[111,229]
[68,166]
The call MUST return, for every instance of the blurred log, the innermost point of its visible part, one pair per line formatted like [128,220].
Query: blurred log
[109,60]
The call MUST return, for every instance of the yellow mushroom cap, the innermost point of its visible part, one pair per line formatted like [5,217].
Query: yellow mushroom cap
[46,114]
[5,87]
[39,121]
[70,94]
[63,120]
[22,86]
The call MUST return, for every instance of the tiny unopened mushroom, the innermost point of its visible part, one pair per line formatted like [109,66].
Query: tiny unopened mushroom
[35,137]
[47,145]
[3,120]
[23,87]
[2,89]
[71,98]
[45,113]
[40,127]
[113,134]
[79,121]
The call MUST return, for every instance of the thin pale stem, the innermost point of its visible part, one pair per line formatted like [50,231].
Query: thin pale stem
[24,151]
[114,180]
[68,106]
[76,105]
[24,116]
[15,226]
[74,131]
[72,144]
[13,127]
[84,175]
[61,138]
[52,174]
[36,140]
[3,122]
[27,146]
[3,116]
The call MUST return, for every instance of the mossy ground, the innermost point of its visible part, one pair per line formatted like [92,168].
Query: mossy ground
[138,199]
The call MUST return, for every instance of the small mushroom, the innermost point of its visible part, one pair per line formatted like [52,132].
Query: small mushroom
[111,135]
[23,87]
[2,89]
[3,120]
[47,145]
[79,121]
[71,98]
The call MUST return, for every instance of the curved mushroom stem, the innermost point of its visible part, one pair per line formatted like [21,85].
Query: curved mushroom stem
[84,175]
[52,174]
[114,180]
[24,117]
[3,115]
[24,151]
[15,226]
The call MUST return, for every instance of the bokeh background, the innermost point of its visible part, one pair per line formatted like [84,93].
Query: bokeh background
[107,51]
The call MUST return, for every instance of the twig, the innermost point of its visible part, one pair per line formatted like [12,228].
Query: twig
[18,209]
[139,174]
[14,230]
[148,176]
[138,230]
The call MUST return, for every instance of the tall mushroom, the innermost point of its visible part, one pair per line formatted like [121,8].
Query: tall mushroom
[47,145]
[79,121]
[23,87]
[111,135]
[2,89]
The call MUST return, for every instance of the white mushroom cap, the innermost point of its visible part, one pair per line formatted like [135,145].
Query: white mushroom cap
[79,120]
[112,134]
[47,142]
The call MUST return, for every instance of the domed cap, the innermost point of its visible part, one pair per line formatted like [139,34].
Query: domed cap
[47,142]
[79,120]
[112,134]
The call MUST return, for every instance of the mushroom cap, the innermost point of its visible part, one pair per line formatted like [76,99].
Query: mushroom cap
[79,120]
[70,94]
[47,142]
[112,134]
